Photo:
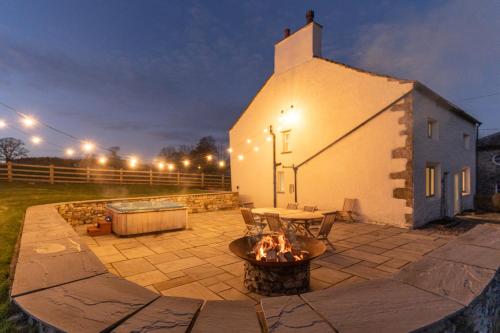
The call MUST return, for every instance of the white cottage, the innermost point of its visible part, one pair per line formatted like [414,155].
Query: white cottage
[319,131]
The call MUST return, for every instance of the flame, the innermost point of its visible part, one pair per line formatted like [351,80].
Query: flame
[276,248]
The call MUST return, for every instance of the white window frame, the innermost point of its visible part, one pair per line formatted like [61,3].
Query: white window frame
[430,181]
[285,140]
[466,139]
[432,129]
[465,174]
[280,181]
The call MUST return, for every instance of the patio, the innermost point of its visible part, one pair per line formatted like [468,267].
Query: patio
[197,263]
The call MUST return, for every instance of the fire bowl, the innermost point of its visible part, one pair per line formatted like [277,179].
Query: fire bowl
[277,278]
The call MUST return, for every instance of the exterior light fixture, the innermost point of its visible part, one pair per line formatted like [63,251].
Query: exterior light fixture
[102,160]
[88,146]
[36,140]
[28,122]
[241,157]
[229,150]
[3,124]
[70,152]
[222,164]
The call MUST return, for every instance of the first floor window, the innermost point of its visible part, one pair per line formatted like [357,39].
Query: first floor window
[286,141]
[466,138]
[430,181]
[281,181]
[466,181]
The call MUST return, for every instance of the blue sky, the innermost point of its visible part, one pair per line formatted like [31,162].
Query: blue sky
[146,74]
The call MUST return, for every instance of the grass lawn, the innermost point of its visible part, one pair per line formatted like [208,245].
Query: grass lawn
[16,197]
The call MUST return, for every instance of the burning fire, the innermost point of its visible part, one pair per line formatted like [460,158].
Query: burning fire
[277,248]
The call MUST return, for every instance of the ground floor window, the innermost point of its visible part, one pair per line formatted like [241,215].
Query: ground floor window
[466,181]
[281,181]
[430,181]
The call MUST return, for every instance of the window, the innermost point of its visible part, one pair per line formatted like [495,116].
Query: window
[466,141]
[430,181]
[432,130]
[466,181]
[281,182]
[286,141]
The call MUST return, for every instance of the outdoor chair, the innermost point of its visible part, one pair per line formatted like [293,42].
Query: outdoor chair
[325,227]
[292,205]
[252,225]
[247,205]
[310,208]
[274,222]
[347,212]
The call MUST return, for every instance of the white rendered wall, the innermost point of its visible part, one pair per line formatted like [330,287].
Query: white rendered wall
[447,151]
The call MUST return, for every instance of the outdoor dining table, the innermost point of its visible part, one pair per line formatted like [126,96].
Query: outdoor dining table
[293,217]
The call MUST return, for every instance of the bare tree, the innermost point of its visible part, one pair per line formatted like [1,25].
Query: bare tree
[11,149]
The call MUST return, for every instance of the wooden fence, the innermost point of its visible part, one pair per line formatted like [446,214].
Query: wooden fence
[56,174]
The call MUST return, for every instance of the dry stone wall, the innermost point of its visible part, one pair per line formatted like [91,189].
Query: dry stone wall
[86,212]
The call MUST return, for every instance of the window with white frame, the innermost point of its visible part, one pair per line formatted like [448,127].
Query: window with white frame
[466,181]
[432,129]
[281,181]
[286,141]
[466,139]
[430,181]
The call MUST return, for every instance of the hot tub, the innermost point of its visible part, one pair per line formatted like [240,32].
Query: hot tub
[139,217]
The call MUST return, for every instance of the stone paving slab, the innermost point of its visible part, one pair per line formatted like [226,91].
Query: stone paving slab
[90,305]
[484,257]
[227,316]
[291,314]
[486,235]
[459,282]
[166,314]
[380,306]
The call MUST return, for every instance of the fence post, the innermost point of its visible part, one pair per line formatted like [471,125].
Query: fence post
[178,178]
[51,174]
[150,177]
[9,172]
[121,176]
[88,175]
[202,179]
[222,181]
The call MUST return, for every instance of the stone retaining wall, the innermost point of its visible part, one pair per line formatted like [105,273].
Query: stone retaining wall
[85,212]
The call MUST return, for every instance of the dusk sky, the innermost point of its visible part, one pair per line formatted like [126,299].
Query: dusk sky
[146,74]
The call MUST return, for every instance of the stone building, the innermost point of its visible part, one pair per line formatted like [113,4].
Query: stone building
[319,131]
[488,173]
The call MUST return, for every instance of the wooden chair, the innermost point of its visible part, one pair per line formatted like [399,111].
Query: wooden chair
[247,205]
[292,205]
[346,214]
[250,222]
[274,222]
[326,227]
[310,208]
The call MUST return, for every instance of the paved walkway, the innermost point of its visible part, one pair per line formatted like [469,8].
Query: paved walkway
[197,263]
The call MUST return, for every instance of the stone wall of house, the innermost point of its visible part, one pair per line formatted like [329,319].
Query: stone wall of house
[85,212]
[488,175]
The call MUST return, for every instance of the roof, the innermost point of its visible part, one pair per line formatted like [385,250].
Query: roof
[491,141]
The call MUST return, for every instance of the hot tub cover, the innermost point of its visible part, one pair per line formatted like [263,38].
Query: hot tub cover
[143,206]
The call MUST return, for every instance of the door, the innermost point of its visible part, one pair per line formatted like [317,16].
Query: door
[457,194]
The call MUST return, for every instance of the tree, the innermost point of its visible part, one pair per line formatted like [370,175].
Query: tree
[11,149]
[114,159]
[205,147]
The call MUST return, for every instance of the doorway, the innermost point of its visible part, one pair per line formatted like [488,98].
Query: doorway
[457,194]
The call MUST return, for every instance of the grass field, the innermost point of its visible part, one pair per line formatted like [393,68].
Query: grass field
[16,197]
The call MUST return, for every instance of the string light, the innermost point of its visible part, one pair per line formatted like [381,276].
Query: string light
[102,160]
[133,161]
[269,138]
[266,130]
[161,165]
[171,167]
[229,150]
[3,124]
[186,163]
[241,157]
[249,141]
[70,152]
[36,140]
[222,164]
[28,121]
[256,149]
[88,146]
[210,158]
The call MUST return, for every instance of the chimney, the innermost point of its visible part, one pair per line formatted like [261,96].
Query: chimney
[299,47]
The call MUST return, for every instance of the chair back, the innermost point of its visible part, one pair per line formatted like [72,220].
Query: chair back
[310,208]
[292,205]
[274,222]
[247,205]
[349,205]
[326,225]
[248,216]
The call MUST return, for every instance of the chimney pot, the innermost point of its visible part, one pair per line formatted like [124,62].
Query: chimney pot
[310,16]
[286,32]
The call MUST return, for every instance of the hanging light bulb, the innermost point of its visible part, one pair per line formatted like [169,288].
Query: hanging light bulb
[266,130]
[3,123]
[229,150]
[241,157]
[186,163]
[269,138]
[222,164]
[161,166]
[256,149]
[171,167]
[133,161]
[36,140]
[210,158]
[249,141]
[88,146]
[28,121]
[102,160]
[70,152]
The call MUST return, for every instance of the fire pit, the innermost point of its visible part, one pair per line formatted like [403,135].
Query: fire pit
[276,266]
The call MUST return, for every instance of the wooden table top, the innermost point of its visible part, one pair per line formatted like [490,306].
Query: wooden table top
[290,214]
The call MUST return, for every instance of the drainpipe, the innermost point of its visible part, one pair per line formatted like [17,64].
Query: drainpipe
[274,164]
